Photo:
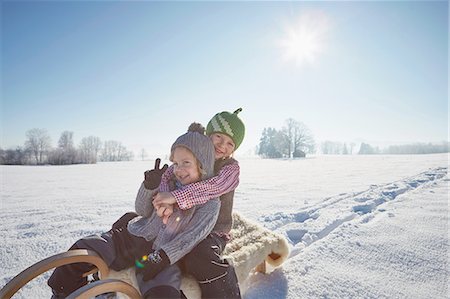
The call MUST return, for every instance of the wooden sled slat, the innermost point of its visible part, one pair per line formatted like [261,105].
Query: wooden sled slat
[68,257]
[103,286]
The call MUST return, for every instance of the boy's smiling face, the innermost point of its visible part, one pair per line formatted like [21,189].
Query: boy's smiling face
[223,145]
[186,168]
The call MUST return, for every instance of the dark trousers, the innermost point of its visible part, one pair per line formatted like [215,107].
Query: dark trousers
[216,277]
[119,249]
[118,252]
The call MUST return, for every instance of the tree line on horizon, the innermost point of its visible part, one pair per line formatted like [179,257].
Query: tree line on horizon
[339,148]
[295,140]
[38,150]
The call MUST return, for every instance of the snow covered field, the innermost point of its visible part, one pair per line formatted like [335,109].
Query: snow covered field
[358,226]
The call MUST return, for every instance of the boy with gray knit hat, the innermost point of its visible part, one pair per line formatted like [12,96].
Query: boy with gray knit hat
[147,243]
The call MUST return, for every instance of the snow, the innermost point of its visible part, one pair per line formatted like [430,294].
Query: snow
[358,226]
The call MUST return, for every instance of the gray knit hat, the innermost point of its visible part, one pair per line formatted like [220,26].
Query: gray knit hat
[200,145]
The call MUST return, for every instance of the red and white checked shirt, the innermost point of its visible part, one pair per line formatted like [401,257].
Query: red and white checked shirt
[200,192]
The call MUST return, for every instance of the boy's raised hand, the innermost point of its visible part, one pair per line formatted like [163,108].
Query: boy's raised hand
[152,178]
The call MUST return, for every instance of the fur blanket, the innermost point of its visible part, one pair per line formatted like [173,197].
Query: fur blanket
[251,245]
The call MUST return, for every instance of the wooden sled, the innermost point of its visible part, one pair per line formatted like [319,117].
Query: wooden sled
[252,248]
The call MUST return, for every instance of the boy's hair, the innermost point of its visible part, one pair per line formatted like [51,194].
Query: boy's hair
[229,124]
[201,147]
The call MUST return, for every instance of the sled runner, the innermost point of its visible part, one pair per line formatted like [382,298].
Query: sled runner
[252,248]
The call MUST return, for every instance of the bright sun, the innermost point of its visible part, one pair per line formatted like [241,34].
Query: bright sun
[304,40]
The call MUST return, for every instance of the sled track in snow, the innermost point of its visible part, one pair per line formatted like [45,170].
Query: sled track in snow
[314,223]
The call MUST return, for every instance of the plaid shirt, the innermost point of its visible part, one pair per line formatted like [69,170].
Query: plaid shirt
[200,192]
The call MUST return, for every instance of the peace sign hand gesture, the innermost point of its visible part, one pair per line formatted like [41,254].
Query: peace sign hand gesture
[152,178]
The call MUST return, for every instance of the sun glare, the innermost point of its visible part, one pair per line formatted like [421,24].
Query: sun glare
[304,40]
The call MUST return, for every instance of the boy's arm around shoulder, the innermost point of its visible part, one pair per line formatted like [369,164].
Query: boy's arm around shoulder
[143,203]
[202,223]
[200,192]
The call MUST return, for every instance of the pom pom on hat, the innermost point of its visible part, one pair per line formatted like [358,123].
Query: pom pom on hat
[229,124]
[196,127]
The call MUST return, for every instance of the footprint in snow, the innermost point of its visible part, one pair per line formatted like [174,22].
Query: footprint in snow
[295,235]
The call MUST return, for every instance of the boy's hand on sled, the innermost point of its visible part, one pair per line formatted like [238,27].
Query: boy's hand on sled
[152,178]
[152,264]
[164,198]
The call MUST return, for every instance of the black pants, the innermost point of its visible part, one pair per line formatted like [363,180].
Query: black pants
[216,277]
[119,252]
[119,249]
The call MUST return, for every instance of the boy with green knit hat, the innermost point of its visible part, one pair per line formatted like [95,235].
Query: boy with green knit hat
[216,277]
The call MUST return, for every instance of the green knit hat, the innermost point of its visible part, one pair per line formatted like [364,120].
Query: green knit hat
[229,124]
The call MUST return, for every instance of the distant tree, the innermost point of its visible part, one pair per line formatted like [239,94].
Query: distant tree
[143,154]
[66,152]
[282,143]
[289,132]
[267,144]
[17,156]
[352,145]
[89,149]
[345,150]
[302,138]
[66,140]
[418,148]
[331,147]
[115,151]
[38,142]
[325,147]
[367,149]
[293,140]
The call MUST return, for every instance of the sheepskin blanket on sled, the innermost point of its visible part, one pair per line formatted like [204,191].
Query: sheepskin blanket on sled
[251,245]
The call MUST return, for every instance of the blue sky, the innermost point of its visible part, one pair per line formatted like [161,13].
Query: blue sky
[140,72]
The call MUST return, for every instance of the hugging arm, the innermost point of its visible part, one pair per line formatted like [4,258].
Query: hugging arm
[200,192]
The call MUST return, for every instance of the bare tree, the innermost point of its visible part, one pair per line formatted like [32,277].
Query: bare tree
[289,131]
[89,149]
[299,138]
[38,143]
[293,140]
[66,140]
[115,151]
[303,139]
[65,153]
[143,154]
